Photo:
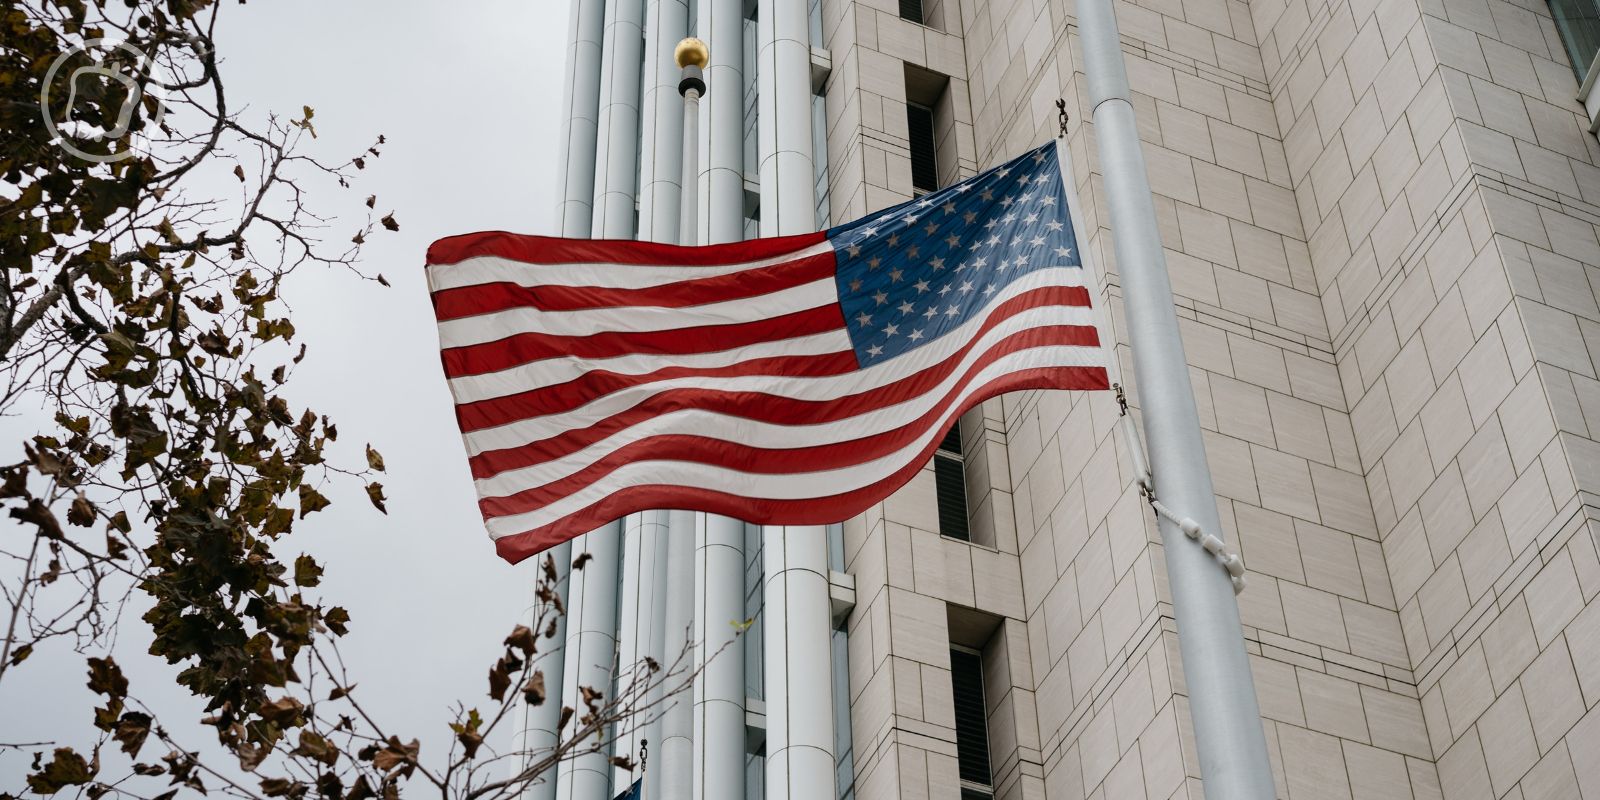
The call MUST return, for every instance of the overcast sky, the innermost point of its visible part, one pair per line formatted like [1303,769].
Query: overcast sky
[468,95]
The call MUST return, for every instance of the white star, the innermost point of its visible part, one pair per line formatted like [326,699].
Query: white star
[933,311]
[990,224]
[994,239]
[966,287]
[949,208]
[1053,225]
[1064,252]
[1006,201]
[951,311]
[931,228]
[1038,158]
[1016,240]
[1031,218]
[873,263]
[911,219]
[953,240]
[921,286]
[913,251]
[868,233]
[891,329]
[894,239]
[1048,200]
[1036,241]
[987,194]
[945,289]
[961,188]
[981,263]
[1009,218]
[864,319]
[988,290]
[1003,265]
[1003,171]
[1023,180]
[907,308]
[894,275]
[915,335]
[1022,261]
[936,263]
[881,298]
[875,351]
[853,250]
[970,217]
[976,243]
[925,202]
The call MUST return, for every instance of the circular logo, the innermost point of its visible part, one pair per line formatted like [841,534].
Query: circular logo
[120,69]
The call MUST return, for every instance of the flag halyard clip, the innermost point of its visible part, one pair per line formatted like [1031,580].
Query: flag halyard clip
[1225,556]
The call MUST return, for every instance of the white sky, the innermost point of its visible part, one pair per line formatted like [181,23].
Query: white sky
[469,96]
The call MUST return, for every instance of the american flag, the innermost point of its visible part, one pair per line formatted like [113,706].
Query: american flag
[793,380]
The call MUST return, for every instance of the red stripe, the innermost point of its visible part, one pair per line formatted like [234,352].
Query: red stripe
[549,250]
[487,298]
[526,348]
[808,511]
[757,460]
[762,407]
[598,383]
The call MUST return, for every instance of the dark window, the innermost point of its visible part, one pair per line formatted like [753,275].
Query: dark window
[912,10]
[1578,22]
[950,485]
[972,726]
[924,165]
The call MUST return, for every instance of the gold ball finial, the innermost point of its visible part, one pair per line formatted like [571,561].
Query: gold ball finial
[692,52]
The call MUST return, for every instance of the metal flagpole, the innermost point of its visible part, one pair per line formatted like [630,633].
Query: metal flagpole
[1222,698]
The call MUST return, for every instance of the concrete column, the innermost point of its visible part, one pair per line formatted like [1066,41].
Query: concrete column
[574,216]
[639,625]
[581,111]
[719,737]
[799,685]
[666,22]
[617,140]
[591,652]
[783,75]
[798,663]
[673,760]
[721,201]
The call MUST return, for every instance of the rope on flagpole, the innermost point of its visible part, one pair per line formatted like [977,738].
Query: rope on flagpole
[1225,556]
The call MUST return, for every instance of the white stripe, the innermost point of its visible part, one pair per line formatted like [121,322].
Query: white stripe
[635,319]
[753,433]
[534,428]
[789,486]
[494,269]
[553,371]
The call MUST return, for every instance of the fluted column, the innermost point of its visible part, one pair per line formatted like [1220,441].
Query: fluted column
[591,652]
[639,626]
[797,629]
[674,759]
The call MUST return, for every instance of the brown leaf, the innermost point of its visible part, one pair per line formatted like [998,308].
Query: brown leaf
[582,560]
[306,571]
[499,681]
[375,494]
[522,638]
[371,200]
[238,172]
[550,568]
[389,223]
[131,732]
[395,755]
[359,238]
[374,459]
[66,768]
[316,748]
[82,512]
[311,500]
[622,762]
[382,281]
[285,711]
[533,692]
[566,716]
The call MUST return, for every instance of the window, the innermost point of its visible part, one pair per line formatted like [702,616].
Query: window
[972,725]
[950,485]
[924,164]
[912,10]
[1578,22]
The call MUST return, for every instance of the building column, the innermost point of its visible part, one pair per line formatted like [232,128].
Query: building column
[591,652]
[581,110]
[719,694]
[666,22]
[721,202]
[797,630]
[574,217]
[617,140]
[639,628]
[674,760]
[798,662]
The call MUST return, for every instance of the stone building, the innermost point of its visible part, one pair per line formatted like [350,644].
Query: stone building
[1380,222]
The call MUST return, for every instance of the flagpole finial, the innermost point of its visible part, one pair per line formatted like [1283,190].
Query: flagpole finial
[692,52]
[1061,115]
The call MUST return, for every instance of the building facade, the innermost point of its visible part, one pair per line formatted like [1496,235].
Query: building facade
[1380,221]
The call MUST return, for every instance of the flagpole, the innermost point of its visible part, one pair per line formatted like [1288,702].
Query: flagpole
[1216,669]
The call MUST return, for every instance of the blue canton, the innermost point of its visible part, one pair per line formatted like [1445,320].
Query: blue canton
[912,273]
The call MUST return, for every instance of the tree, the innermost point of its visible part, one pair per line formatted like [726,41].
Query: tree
[144,315]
